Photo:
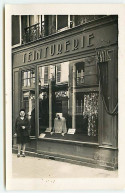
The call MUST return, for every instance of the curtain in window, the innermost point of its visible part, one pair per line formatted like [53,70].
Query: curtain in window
[91,111]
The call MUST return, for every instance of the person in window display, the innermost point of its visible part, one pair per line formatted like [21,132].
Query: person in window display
[21,131]
[59,124]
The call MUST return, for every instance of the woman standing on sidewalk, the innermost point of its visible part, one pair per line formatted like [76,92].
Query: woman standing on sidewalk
[21,130]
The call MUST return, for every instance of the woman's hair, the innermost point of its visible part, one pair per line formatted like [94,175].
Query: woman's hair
[22,110]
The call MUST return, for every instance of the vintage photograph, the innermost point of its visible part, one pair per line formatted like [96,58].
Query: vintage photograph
[65,87]
[64,96]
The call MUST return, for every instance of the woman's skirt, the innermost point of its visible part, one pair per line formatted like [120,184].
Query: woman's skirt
[22,139]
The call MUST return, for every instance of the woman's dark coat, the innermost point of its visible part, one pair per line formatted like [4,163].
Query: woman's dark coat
[22,134]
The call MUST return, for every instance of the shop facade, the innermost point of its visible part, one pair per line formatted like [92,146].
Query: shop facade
[68,84]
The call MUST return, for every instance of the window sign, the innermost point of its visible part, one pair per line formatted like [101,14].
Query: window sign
[71,131]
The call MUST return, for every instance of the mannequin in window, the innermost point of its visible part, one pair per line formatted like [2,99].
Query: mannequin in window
[60,124]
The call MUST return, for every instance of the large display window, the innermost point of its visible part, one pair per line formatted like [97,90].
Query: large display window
[68,105]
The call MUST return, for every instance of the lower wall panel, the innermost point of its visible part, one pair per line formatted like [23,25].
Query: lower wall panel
[77,153]
[86,154]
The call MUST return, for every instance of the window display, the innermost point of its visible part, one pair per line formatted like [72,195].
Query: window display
[58,114]
[67,108]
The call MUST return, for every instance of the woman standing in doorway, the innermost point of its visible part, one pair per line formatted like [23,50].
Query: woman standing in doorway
[21,130]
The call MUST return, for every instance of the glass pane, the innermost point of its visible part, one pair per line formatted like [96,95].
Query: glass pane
[28,97]
[31,20]
[29,105]
[25,74]
[58,73]
[80,73]
[25,82]
[28,82]
[46,75]
[62,21]
[62,72]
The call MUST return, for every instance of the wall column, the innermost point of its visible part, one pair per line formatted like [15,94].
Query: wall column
[50,100]
[74,99]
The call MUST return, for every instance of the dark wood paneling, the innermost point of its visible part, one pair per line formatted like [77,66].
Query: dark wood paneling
[109,128]
[15,96]
[85,153]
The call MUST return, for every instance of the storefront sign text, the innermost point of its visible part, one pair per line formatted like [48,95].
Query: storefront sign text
[59,48]
[103,56]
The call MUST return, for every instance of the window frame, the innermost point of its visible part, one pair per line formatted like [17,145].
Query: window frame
[62,29]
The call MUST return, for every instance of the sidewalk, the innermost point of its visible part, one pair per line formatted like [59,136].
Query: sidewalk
[33,167]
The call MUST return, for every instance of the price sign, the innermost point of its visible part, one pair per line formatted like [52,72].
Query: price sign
[47,130]
[71,131]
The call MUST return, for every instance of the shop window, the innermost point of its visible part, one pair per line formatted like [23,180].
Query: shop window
[44,74]
[41,76]
[28,97]
[80,73]
[87,113]
[79,105]
[63,113]
[28,78]
[62,72]
[59,113]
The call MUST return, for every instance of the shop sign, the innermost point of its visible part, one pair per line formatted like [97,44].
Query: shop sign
[61,94]
[61,47]
[103,56]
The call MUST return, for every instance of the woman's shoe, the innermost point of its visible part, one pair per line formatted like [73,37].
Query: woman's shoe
[18,155]
[23,154]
